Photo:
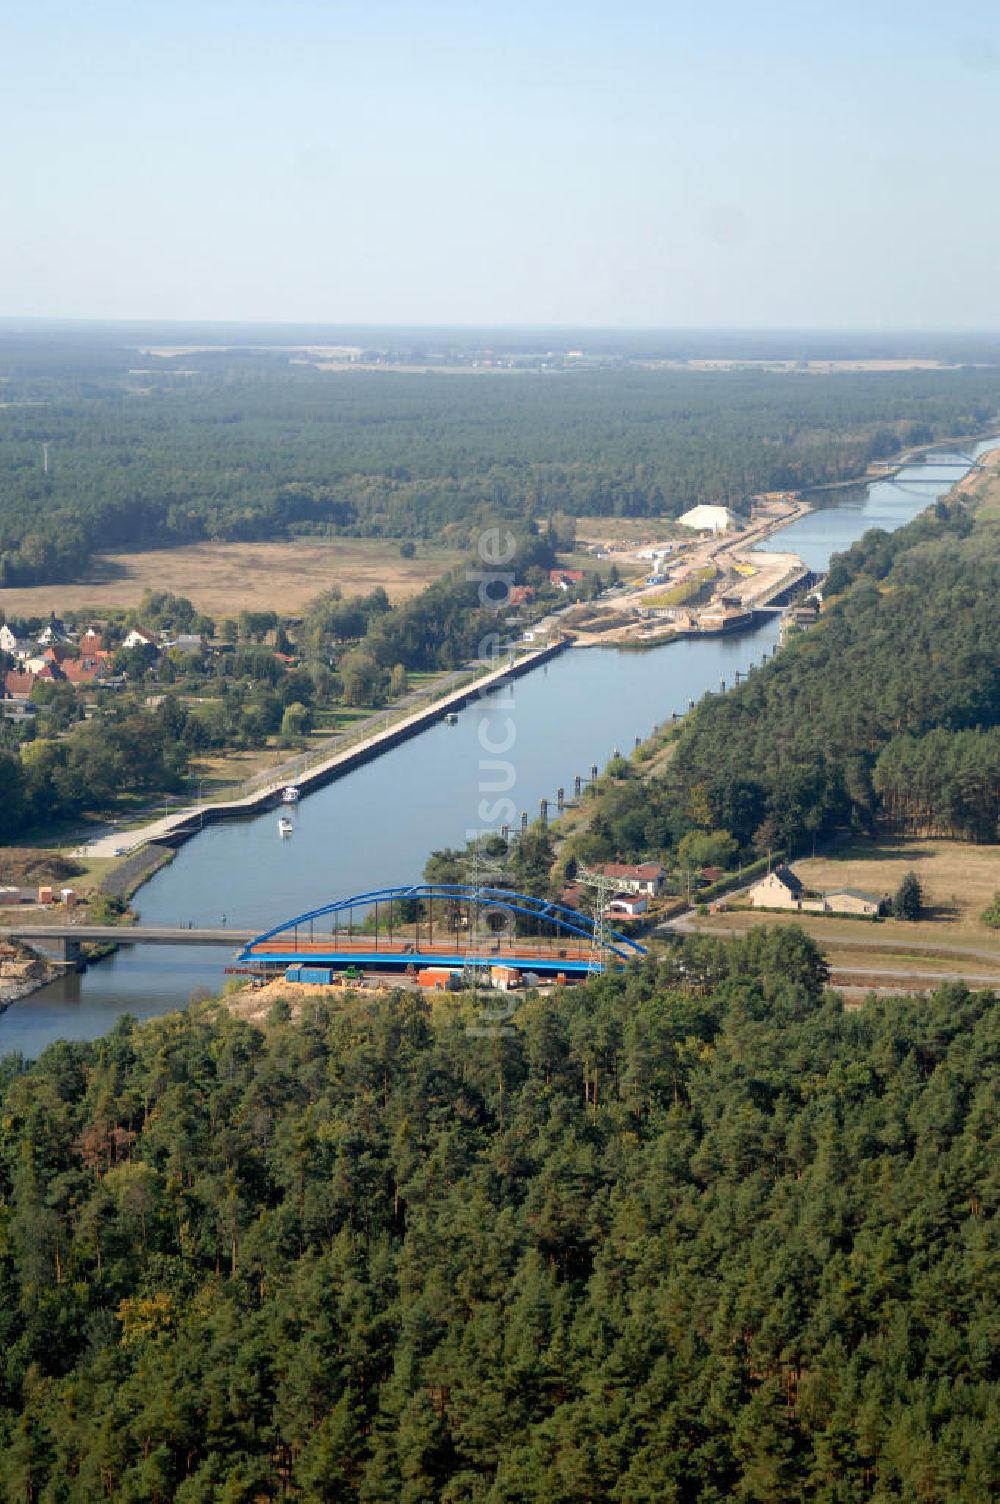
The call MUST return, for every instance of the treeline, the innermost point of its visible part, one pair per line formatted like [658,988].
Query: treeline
[944,783]
[244,445]
[91,766]
[887,710]
[631,1251]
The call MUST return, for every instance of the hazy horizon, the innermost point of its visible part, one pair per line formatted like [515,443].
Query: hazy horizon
[558,167]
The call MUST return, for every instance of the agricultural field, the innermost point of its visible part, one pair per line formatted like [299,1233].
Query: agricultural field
[224,578]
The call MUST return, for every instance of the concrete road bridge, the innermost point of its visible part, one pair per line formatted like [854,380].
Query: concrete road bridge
[64,942]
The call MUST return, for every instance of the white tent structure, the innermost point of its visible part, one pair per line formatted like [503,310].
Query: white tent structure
[708,519]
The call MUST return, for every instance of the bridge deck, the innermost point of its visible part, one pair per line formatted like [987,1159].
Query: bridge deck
[127,934]
[342,950]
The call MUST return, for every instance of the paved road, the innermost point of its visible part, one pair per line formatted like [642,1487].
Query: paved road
[128,934]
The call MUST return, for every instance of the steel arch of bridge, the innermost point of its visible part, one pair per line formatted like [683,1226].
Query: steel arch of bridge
[506,899]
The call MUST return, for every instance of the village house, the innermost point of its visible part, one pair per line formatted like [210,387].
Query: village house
[646,878]
[187,642]
[629,904]
[520,595]
[16,710]
[85,669]
[53,632]
[564,578]
[140,638]
[50,673]
[780,889]
[17,647]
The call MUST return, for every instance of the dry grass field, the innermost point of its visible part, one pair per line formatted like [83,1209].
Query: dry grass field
[958,881]
[626,529]
[225,578]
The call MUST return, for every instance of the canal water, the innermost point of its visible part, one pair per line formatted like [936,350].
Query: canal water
[376,826]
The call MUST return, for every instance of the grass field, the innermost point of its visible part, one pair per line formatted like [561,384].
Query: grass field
[958,881]
[628,529]
[223,579]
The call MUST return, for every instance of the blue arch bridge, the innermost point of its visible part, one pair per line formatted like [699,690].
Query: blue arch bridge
[452,926]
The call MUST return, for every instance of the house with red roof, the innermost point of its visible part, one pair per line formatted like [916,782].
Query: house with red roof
[564,578]
[17,685]
[646,877]
[85,669]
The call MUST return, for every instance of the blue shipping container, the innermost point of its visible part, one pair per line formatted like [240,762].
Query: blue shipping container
[292,973]
[316,974]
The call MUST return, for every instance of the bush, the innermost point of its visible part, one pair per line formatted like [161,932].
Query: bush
[991,914]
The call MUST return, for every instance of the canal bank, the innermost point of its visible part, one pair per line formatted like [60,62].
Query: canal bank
[377,826]
[173,830]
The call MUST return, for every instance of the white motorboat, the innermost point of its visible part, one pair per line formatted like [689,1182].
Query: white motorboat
[285,826]
[290,795]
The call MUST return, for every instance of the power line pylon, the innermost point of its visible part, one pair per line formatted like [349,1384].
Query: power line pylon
[603,886]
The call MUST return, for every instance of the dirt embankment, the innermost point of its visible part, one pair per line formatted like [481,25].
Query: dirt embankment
[31,867]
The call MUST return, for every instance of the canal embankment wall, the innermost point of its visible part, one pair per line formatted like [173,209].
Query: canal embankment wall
[175,830]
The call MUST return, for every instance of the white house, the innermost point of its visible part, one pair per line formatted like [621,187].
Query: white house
[55,631]
[17,647]
[139,638]
[780,889]
[646,878]
[708,519]
[628,904]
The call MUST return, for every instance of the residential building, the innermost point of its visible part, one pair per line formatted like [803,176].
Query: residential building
[187,642]
[646,877]
[140,638]
[629,904]
[520,595]
[17,647]
[780,889]
[564,578]
[18,685]
[85,670]
[54,631]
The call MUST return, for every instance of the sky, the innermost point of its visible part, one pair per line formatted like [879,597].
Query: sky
[624,164]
